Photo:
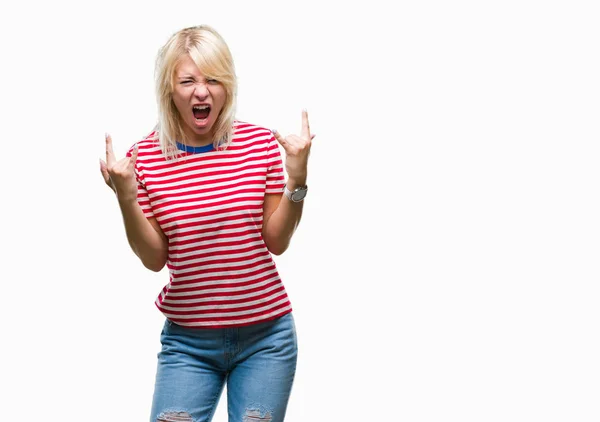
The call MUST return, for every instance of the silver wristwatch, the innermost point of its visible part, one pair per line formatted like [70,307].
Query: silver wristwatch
[296,195]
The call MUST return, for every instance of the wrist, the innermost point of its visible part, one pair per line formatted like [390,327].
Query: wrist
[126,200]
[296,182]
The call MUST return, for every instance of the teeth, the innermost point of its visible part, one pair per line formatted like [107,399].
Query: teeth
[200,107]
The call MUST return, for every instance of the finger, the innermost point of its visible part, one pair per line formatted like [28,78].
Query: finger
[110,155]
[312,136]
[134,154]
[280,138]
[105,174]
[104,171]
[305,133]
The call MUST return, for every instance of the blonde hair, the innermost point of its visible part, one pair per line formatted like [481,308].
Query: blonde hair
[211,54]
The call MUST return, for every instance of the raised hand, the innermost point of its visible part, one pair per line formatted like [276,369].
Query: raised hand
[297,150]
[120,175]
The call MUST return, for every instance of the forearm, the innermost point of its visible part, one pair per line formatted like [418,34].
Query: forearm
[282,223]
[145,241]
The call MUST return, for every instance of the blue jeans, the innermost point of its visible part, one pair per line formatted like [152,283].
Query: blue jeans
[258,363]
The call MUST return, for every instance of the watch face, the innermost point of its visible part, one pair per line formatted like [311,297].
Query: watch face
[298,195]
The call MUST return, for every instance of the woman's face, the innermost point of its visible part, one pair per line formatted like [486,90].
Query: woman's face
[198,100]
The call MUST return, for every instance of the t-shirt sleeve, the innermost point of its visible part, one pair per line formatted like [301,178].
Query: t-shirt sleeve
[275,175]
[142,197]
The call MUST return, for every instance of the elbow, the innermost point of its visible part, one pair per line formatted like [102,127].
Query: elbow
[276,252]
[153,258]
[275,243]
[277,248]
[155,264]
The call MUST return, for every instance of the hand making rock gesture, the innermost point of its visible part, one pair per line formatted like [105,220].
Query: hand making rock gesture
[120,175]
[297,150]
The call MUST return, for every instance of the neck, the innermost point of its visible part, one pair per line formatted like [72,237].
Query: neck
[195,140]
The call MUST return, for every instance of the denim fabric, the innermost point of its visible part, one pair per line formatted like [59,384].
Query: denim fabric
[256,362]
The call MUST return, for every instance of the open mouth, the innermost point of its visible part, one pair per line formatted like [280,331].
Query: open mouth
[201,112]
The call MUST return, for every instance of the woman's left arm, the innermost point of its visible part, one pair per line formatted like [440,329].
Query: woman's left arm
[281,215]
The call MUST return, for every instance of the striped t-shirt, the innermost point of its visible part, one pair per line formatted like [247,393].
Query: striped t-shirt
[209,204]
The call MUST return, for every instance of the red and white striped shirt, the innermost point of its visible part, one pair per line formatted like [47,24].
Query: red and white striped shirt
[209,204]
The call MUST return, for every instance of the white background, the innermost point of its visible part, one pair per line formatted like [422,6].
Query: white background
[446,267]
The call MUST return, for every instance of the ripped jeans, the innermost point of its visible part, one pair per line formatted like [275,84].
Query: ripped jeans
[257,362]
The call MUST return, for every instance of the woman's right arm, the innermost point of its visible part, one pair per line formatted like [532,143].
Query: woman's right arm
[145,236]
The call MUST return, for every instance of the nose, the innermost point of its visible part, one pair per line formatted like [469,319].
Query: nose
[201,90]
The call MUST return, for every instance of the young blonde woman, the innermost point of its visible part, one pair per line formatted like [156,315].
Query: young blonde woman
[206,195]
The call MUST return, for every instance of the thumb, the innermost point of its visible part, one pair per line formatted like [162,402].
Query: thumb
[134,155]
